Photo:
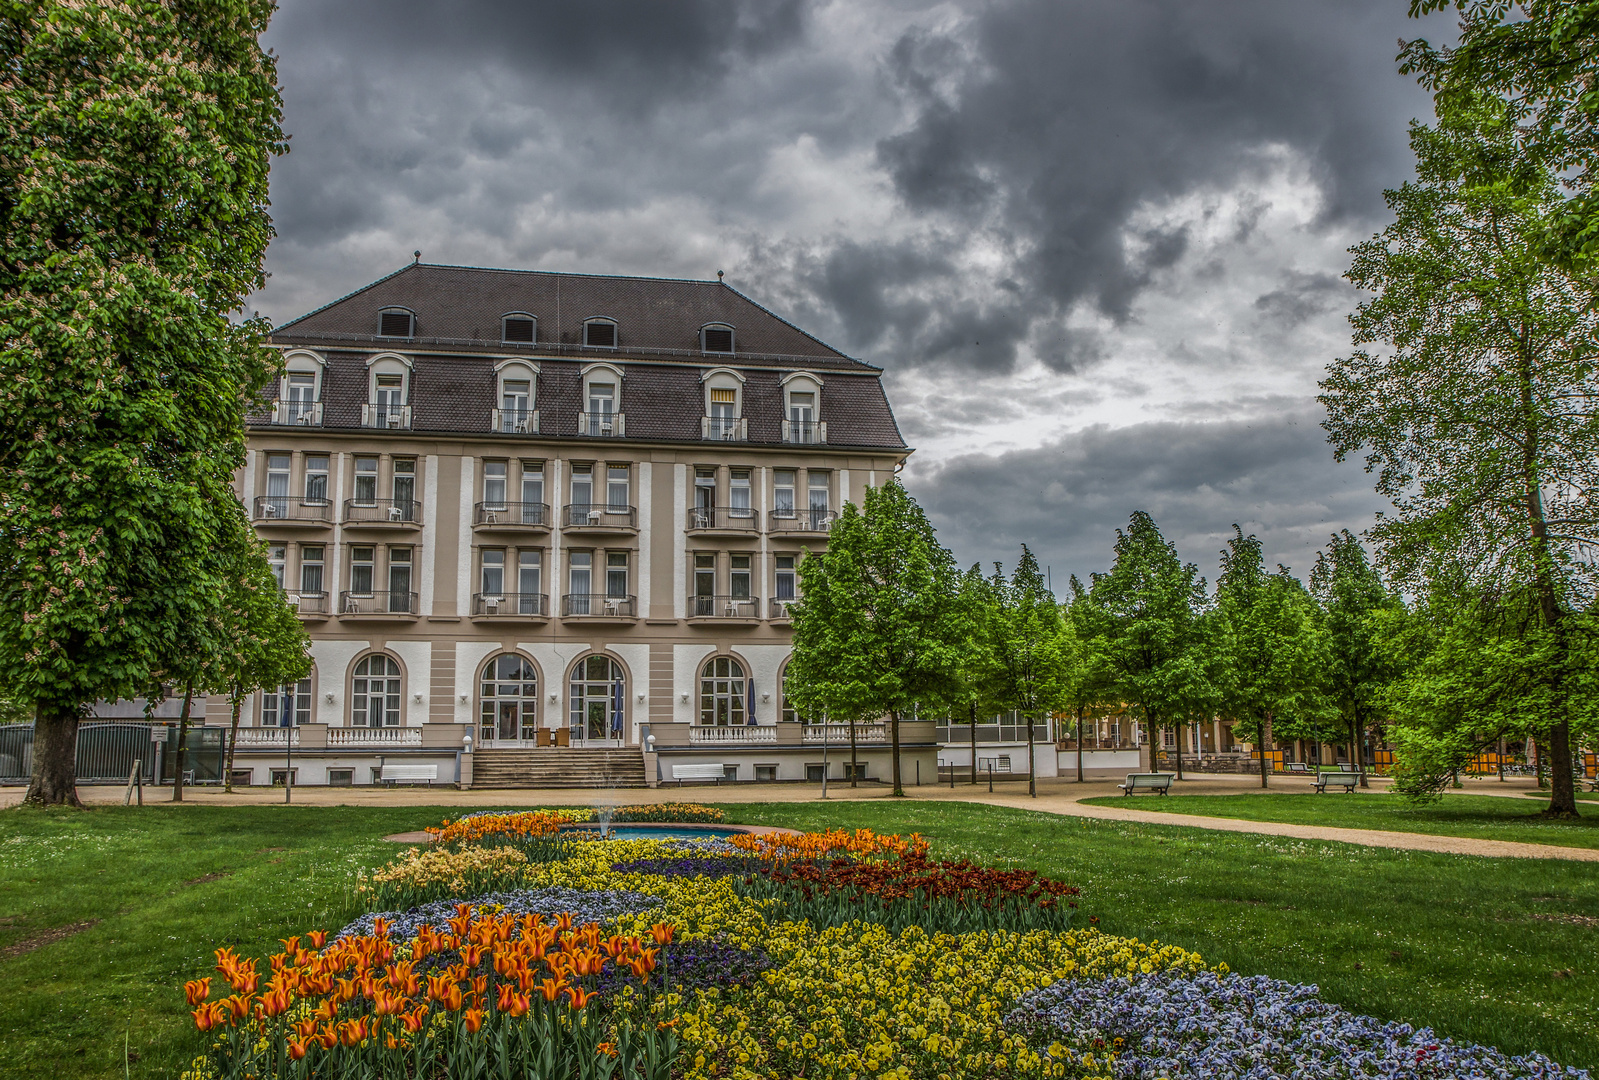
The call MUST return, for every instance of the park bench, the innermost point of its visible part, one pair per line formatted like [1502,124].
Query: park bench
[1345,780]
[1157,782]
[1297,767]
[681,773]
[408,774]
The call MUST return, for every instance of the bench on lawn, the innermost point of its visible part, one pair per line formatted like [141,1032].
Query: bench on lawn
[1345,780]
[681,773]
[1297,767]
[408,774]
[1138,781]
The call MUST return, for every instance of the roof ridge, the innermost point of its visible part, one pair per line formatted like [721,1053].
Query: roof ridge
[347,296]
[797,329]
[564,273]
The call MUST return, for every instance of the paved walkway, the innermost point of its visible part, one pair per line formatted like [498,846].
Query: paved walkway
[1055,796]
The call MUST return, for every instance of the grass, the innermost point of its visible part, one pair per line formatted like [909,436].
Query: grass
[1490,950]
[1482,817]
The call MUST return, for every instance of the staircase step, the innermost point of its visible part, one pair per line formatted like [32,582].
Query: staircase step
[557,767]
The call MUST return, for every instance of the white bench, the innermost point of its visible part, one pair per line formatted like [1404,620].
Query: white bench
[408,774]
[1157,782]
[1297,767]
[681,773]
[1345,780]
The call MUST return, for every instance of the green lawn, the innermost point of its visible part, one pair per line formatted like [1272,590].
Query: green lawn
[1485,817]
[1492,950]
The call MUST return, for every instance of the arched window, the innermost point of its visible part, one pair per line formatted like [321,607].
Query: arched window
[375,696]
[510,698]
[599,692]
[722,693]
[287,705]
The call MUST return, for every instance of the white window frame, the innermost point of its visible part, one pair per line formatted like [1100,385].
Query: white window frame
[302,362]
[806,383]
[518,371]
[730,328]
[391,310]
[616,331]
[519,315]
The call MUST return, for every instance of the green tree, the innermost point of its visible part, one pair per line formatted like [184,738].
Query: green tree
[1146,618]
[1274,659]
[974,689]
[1034,651]
[1476,407]
[1349,591]
[133,193]
[1092,691]
[878,629]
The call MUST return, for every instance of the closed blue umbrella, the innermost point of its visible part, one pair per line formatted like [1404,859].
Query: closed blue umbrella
[750,690]
[616,710]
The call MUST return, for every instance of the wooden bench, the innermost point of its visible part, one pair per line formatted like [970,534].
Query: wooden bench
[1137,781]
[1297,767]
[1345,780]
[408,774]
[681,773]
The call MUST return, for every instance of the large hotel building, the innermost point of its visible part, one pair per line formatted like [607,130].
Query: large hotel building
[544,528]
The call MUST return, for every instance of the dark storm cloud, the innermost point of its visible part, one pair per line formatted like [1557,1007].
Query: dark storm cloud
[1275,477]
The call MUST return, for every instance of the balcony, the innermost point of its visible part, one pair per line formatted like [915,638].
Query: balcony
[800,521]
[383,514]
[735,734]
[604,425]
[805,432]
[778,610]
[838,734]
[599,518]
[514,421]
[598,606]
[723,609]
[394,604]
[722,519]
[511,516]
[724,428]
[374,737]
[310,605]
[510,606]
[394,417]
[288,510]
[297,413]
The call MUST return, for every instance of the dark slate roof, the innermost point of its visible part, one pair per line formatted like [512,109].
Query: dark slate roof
[461,306]
[453,385]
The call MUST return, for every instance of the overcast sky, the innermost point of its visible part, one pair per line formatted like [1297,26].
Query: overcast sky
[1096,246]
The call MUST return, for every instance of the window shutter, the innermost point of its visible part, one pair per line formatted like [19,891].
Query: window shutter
[718,339]
[602,334]
[723,397]
[519,330]
[395,324]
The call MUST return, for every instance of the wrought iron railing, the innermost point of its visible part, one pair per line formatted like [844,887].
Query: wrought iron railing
[511,603]
[599,516]
[527,514]
[599,604]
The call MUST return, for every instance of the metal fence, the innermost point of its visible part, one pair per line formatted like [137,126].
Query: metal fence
[107,750]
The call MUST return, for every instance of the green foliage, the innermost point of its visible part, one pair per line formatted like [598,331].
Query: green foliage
[1349,593]
[1034,651]
[133,193]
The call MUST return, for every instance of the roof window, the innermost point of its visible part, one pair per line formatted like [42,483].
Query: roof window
[716,338]
[600,333]
[519,328]
[396,322]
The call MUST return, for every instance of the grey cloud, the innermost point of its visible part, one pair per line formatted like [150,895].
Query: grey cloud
[1275,477]
[1303,297]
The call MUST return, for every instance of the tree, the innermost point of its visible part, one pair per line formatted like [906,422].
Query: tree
[1349,591]
[1265,628]
[977,673]
[1476,410]
[878,628]
[133,195]
[1146,612]
[1034,652]
[1092,690]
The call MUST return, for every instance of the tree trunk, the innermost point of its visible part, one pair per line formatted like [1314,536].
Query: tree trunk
[854,769]
[1260,744]
[1177,730]
[1356,749]
[893,737]
[233,739]
[1079,745]
[183,744]
[1562,789]
[973,733]
[1032,779]
[54,780]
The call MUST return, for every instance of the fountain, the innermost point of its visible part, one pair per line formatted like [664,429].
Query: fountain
[603,814]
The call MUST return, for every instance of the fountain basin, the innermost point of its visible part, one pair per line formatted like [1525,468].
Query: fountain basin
[661,830]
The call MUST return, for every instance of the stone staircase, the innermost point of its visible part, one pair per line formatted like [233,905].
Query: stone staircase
[558,767]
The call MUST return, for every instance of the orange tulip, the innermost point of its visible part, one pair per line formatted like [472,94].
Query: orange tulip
[474,1020]
[387,1003]
[238,1006]
[471,954]
[563,921]
[380,927]
[551,988]
[662,933]
[296,1050]
[274,1003]
[413,1020]
[579,996]
[454,999]
[327,1037]
[204,1019]
[306,1028]
[197,990]
[317,938]
[353,1032]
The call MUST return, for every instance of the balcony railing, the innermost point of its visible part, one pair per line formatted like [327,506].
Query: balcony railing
[291,509]
[514,421]
[724,428]
[602,424]
[393,602]
[723,607]
[374,736]
[779,609]
[623,607]
[815,521]
[805,432]
[511,603]
[838,734]
[733,733]
[267,737]
[383,512]
[599,516]
[731,518]
[310,603]
[386,416]
[297,413]
[534,515]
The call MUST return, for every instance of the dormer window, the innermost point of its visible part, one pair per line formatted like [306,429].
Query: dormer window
[515,414]
[724,392]
[300,390]
[716,338]
[802,399]
[519,328]
[602,386]
[600,333]
[389,401]
[396,322]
